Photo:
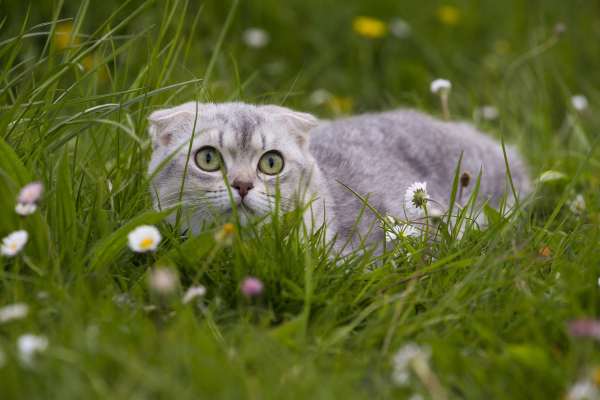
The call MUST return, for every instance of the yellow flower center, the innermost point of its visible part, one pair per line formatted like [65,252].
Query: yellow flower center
[448,15]
[369,27]
[63,35]
[146,243]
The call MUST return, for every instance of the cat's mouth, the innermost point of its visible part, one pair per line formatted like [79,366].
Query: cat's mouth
[241,207]
[245,208]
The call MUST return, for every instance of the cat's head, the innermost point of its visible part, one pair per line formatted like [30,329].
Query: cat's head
[259,149]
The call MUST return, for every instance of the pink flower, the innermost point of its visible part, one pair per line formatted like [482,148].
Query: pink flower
[585,328]
[251,287]
[31,193]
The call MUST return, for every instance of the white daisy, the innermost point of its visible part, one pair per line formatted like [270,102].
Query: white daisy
[577,205]
[416,196]
[123,300]
[163,280]
[42,295]
[395,230]
[14,243]
[29,345]
[582,390]
[193,292]
[144,238]
[25,208]
[488,112]
[400,28]
[403,360]
[392,231]
[439,86]
[319,97]
[13,311]
[579,102]
[256,37]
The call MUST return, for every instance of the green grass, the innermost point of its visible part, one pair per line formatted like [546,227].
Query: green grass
[490,308]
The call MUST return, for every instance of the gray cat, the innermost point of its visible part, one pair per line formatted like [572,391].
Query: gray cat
[260,149]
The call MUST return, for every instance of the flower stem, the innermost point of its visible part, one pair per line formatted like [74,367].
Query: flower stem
[445,109]
[426,221]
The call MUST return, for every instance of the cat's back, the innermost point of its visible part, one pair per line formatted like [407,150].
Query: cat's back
[350,131]
[411,130]
[386,152]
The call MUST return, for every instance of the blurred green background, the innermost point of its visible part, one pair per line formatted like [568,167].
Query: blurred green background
[495,53]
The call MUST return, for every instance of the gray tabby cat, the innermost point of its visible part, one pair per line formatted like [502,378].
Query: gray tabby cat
[259,148]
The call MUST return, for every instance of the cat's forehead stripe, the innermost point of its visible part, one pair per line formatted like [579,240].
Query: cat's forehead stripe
[246,124]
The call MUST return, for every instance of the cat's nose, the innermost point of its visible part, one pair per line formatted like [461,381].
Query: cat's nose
[242,187]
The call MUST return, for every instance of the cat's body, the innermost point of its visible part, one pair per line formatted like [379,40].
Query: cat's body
[381,155]
[377,155]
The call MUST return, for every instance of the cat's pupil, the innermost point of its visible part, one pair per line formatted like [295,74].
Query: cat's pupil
[271,162]
[208,158]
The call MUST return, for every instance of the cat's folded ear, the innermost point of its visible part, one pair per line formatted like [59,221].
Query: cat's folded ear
[299,122]
[169,123]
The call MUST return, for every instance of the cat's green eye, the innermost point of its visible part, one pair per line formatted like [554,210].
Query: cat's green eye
[271,163]
[208,159]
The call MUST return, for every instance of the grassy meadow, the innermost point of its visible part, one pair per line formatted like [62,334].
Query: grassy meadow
[508,311]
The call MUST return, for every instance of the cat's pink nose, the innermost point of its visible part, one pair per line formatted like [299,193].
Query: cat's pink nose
[242,187]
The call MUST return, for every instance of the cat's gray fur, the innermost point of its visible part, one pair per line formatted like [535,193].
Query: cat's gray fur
[377,155]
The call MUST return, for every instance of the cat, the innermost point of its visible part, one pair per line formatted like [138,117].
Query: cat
[315,163]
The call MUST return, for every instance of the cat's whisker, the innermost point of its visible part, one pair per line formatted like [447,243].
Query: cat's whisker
[189,195]
[285,204]
[268,205]
[273,195]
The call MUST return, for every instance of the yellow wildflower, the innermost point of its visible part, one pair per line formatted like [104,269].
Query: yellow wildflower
[229,229]
[448,15]
[596,376]
[224,235]
[63,35]
[340,105]
[369,27]
[88,62]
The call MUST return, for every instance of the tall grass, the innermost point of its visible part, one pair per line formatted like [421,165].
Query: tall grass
[77,81]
